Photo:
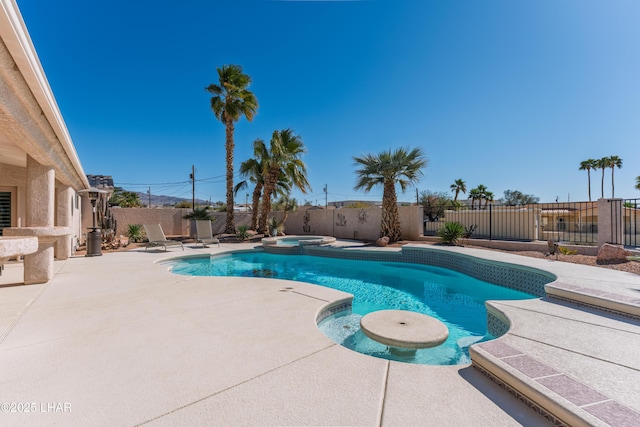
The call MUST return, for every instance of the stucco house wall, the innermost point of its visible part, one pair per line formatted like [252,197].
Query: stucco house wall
[39,166]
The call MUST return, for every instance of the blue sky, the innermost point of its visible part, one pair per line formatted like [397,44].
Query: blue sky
[509,94]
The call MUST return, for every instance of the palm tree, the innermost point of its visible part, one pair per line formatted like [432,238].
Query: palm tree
[286,204]
[402,166]
[638,183]
[458,186]
[613,162]
[488,197]
[230,101]
[479,193]
[282,163]
[474,195]
[588,165]
[601,164]
[199,214]
[252,170]
[125,199]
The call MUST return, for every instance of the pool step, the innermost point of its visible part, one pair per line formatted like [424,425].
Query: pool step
[563,400]
[611,302]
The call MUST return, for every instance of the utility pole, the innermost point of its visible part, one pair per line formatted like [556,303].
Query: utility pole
[193,186]
[149,194]
[417,203]
[326,205]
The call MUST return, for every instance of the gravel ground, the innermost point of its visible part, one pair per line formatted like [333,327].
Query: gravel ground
[629,266]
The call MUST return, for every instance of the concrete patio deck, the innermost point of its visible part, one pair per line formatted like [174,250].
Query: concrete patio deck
[118,340]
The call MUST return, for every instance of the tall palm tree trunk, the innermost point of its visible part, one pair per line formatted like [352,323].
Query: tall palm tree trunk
[230,227]
[255,205]
[455,198]
[269,186]
[390,223]
[612,186]
[602,185]
[589,178]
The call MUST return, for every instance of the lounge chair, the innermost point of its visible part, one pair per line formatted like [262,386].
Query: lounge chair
[157,238]
[204,234]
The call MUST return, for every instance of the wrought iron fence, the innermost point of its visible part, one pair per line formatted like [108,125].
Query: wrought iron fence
[570,222]
[631,220]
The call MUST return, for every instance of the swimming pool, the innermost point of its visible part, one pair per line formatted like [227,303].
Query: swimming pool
[452,297]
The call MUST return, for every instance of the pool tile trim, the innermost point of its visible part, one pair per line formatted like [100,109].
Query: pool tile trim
[334,308]
[525,279]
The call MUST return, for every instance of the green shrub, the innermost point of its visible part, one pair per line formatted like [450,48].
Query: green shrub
[243,232]
[135,232]
[276,225]
[451,232]
[468,231]
[566,251]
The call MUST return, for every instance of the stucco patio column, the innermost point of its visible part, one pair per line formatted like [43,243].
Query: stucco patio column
[40,194]
[38,267]
[610,222]
[64,218]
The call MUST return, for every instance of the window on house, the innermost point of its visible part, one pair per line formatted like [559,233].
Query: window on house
[5,210]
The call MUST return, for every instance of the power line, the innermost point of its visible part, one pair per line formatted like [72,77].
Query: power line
[148,184]
[219,178]
[358,195]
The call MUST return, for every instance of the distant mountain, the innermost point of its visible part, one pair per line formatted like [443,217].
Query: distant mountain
[168,201]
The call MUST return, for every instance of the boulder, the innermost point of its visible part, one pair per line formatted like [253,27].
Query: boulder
[383,241]
[611,254]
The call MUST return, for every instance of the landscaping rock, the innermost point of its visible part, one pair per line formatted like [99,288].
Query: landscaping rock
[611,254]
[383,241]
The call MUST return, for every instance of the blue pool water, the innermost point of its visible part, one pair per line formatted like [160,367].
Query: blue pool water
[452,297]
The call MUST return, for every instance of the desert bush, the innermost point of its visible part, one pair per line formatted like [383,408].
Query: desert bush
[451,232]
[567,251]
[243,232]
[135,233]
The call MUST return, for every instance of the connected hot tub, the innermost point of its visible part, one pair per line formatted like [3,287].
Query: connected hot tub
[292,244]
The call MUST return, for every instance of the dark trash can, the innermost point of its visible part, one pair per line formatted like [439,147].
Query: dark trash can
[94,242]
